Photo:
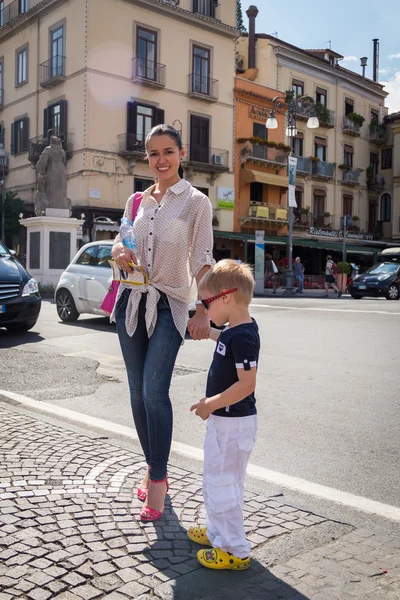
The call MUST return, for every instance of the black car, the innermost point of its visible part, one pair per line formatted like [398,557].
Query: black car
[19,294]
[383,279]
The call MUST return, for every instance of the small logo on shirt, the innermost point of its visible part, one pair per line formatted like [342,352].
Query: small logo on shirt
[221,348]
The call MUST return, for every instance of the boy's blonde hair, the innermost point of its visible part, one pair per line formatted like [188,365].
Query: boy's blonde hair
[228,274]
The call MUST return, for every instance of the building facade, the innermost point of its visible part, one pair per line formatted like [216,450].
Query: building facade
[100,74]
[340,169]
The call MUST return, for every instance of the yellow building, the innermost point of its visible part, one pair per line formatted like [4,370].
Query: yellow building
[100,74]
[340,169]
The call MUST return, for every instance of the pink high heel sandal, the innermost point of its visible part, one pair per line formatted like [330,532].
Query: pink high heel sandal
[142,492]
[152,514]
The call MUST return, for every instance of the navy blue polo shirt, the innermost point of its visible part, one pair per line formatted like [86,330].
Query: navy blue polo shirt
[237,348]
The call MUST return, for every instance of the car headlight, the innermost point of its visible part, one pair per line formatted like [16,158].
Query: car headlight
[30,288]
[383,277]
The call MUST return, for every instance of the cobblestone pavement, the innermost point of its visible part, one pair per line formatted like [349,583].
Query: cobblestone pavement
[69,529]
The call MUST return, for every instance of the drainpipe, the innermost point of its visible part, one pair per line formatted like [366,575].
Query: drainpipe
[252,13]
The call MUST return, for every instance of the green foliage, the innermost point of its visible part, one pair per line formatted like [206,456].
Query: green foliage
[239,18]
[347,268]
[323,113]
[345,167]
[263,142]
[356,118]
[13,207]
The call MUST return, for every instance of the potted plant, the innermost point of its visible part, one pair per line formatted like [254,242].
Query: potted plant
[345,167]
[314,159]
[304,214]
[323,114]
[355,218]
[327,218]
[356,118]
[344,271]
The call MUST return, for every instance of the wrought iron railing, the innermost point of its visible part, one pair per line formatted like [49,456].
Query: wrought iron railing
[130,143]
[53,68]
[269,155]
[268,212]
[205,87]
[351,176]
[39,143]
[148,71]
[209,156]
[378,132]
[350,125]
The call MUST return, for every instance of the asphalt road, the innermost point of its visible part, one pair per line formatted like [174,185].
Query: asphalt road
[328,386]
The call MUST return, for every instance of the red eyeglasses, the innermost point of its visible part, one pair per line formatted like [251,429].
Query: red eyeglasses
[206,303]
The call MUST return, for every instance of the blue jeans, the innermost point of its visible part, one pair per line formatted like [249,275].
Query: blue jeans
[149,364]
[300,283]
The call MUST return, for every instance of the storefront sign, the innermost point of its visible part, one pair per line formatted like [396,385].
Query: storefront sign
[225,197]
[338,233]
[259,113]
[259,260]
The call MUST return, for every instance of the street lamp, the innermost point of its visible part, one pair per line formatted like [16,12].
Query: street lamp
[293,107]
[3,161]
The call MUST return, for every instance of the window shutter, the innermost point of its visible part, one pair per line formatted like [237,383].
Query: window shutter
[63,120]
[159,116]
[46,119]
[13,145]
[132,118]
[25,135]
[320,141]
[348,149]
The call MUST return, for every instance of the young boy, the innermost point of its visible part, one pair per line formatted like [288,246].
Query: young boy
[230,410]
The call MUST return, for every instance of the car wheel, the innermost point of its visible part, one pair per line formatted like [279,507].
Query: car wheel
[20,327]
[357,296]
[66,308]
[393,292]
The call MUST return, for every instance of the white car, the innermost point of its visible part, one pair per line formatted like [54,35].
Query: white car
[85,282]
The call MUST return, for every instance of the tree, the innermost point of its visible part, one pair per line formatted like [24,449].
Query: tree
[13,207]
[239,18]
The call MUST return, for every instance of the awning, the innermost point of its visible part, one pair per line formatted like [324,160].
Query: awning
[248,176]
[105,227]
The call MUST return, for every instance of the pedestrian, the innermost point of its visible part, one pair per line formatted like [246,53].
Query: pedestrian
[174,238]
[270,272]
[298,271]
[230,410]
[330,277]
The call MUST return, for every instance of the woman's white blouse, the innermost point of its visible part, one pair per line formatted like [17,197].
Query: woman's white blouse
[174,242]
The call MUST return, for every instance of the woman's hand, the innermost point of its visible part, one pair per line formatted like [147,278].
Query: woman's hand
[199,325]
[123,256]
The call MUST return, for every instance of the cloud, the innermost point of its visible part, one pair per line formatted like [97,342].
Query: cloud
[350,58]
[392,86]
[393,56]
[387,70]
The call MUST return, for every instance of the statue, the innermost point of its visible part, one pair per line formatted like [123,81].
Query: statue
[51,178]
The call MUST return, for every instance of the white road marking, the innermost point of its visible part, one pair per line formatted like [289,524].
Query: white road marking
[315,309]
[288,481]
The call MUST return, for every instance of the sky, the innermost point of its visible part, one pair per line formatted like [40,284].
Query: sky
[349,26]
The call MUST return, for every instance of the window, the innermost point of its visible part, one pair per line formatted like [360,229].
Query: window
[374,115]
[57,51]
[104,255]
[320,148]
[141,118]
[19,136]
[205,7]
[22,66]
[348,155]
[321,96]
[298,88]
[260,131]
[23,6]
[386,208]
[256,191]
[348,205]
[201,70]
[299,200]
[146,52]
[2,134]
[140,185]
[386,156]
[374,162]
[319,208]
[55,119]
[89,257]
[348,106]
[199,139]
[204,191]
[298,145]
[1,13]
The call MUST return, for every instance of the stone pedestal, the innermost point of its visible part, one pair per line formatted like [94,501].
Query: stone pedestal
[51,244]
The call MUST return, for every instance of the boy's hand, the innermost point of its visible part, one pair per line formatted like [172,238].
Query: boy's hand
[202,409]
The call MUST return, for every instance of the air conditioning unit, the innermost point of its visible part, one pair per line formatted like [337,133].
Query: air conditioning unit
[217,159]
[347,176]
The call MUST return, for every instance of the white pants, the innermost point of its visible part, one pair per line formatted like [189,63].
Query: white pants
[228,444]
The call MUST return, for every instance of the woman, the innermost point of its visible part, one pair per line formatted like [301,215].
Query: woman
[269,272]
[174,238]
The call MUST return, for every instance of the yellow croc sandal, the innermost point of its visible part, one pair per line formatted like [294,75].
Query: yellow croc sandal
[198,535]
[215,558]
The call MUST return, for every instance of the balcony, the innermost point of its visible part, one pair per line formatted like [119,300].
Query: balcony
[147,72]
[304,166]
[1,99]
[206,8]
[302,220]
[13,10]
[262,154]
[375,183]
[323,170]
[206,160]
[39,143]
[326,117]
[52,72]
[267,213]
[351,177]
[351,127]
[131,146]
[378,133]
[203,88]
